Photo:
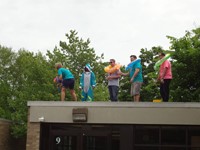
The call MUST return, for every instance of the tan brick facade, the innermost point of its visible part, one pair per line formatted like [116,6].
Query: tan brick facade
[33,135]
[5,138]
[7,142]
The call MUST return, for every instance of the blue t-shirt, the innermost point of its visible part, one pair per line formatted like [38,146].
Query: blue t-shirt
[66,74]
[139,77]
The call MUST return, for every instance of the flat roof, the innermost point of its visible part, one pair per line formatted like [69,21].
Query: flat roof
[166,113]
[116,104]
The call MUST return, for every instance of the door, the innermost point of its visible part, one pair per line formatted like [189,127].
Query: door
[87,137]
[64,140]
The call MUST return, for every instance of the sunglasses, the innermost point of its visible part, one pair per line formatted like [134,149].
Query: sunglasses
[111,62]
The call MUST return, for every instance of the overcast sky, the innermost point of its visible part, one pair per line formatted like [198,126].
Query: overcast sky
[117,28]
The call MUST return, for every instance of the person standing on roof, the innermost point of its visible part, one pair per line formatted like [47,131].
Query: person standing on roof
[68,81]
[87,84]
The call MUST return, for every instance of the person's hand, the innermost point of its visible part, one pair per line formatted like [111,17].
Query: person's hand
[109,78]
[124,74]
[132,79]
[162,81]
[121,73]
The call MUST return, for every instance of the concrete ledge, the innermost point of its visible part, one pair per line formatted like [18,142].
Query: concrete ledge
[117,112]
[116,104]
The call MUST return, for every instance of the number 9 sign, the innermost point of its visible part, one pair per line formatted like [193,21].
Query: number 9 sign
[58,140]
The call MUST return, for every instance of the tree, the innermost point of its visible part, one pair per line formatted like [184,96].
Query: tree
[74,54]
[24,76]
[185,54]
[6,60]
[32,80]
[186,70]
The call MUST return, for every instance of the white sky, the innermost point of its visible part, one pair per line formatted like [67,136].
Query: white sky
[117,28]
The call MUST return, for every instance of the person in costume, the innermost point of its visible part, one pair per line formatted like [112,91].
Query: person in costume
[113,81]
[164,77]
[87,83]
[68,81]
[136,79]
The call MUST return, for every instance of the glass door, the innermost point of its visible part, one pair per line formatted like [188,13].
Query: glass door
[96,140]
[85,138]
[65,141]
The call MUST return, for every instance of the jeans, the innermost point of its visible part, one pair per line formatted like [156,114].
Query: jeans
[113,91]
[164,90]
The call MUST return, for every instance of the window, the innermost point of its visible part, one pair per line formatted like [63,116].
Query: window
[173,135]
[147,135]
[194,137]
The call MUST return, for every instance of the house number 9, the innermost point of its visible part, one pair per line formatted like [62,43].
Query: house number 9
[58,140]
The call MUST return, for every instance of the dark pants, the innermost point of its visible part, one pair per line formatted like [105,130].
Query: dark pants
[113,91]
[164,90]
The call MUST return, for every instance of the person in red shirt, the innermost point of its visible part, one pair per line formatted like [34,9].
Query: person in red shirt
[164,77]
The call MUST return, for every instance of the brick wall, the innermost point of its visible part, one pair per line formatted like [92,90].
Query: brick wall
[5,138]
[7,142]
[33,135]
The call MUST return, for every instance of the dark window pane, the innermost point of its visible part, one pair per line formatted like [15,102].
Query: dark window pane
[173,136]
[146,135]
[95,143]
[194,141]
[194,136]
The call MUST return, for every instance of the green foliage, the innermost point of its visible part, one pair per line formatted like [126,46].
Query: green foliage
[23,77]
[101,92]
[185,54]
[186,83]
[6,60]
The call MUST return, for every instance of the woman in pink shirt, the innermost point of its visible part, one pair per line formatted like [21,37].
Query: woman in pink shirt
[164,77]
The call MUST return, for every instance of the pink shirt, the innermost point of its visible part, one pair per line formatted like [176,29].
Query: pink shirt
[168,75]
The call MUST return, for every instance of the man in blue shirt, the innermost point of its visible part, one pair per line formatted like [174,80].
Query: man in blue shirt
[67,81]
[136,80]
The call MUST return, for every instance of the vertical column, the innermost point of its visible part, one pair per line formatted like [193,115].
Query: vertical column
[33,134]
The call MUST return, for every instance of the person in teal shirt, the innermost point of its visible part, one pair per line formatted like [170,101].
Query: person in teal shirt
[136,80]
[68,81]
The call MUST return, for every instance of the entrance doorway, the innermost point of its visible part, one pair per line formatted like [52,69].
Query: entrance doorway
[80,140]
[77,137]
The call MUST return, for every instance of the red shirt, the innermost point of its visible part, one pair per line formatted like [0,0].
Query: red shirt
[168,74]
